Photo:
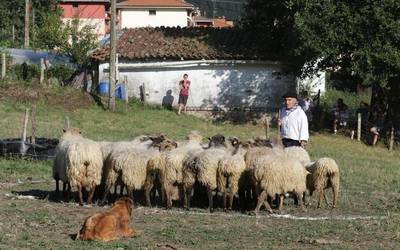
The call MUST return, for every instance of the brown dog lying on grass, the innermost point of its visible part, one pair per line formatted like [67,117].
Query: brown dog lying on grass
[110,225]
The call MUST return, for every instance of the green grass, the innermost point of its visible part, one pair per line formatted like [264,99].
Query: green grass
[370,186]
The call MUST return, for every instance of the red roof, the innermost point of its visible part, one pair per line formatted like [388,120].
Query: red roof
[170,43]
[155,3]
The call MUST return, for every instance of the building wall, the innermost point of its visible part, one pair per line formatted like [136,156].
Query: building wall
[89,14]
[213,84]
[164,17]
[98,24]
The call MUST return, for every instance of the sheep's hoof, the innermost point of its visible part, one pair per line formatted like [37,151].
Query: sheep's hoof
[333,206]
[270,211]
[211,210]
[252,213]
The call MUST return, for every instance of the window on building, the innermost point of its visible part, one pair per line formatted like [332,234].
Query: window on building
[152,12]
[75,5]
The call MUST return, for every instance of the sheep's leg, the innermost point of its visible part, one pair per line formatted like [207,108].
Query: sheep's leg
[129,191]
[168,189]
[231,195]
[106,192]
[300,198]
[326,200]
[121,189]
[234,190]
[260,202]
[147,189]
[91,194]
[80,195]
[281,198]
[225,195]
[68,193]
[57,186]
[320,194]
[64,188]
[210,199]
[335,189]
[187,190]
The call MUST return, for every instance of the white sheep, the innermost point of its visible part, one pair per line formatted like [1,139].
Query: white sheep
[79,161]
[230,170]
[324,174]
[299,154]
[59,163]
[132,167]
[172,176]
[276,175]
[111,149]
[203,168]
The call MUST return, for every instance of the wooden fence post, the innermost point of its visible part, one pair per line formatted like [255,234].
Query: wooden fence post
[66,125]
[33,123]
[267,127]
[126,88]
[25,125]
[3,65]
[358,126]
[391,142]
[144,92]
[41,80]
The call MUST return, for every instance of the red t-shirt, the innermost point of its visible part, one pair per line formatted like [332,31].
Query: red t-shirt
[185,89]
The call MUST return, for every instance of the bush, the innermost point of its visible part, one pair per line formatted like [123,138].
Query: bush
[61,72]
[24,71]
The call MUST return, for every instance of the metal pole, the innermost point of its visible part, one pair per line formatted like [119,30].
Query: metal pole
[111,100]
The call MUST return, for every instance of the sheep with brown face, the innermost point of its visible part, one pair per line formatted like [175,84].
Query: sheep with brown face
[324,174]
[131,166]
[203,169]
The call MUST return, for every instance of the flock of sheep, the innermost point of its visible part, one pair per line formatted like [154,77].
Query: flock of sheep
[254,170]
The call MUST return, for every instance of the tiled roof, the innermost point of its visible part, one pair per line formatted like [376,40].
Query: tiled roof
[155,3]
[168,44]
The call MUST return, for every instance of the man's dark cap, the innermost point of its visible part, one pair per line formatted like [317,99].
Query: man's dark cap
[290,94]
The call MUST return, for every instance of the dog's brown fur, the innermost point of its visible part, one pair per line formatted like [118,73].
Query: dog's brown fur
[110,225]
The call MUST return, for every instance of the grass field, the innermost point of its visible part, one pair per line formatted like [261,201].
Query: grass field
[368,213]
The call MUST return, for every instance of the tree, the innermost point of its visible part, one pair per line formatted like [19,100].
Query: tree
[82,40]
[361,37]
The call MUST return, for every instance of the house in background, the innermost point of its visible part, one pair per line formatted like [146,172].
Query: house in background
[93,12]
[218,22]
[225,66]
[154,13]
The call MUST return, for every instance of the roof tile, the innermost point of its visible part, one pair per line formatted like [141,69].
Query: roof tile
[166,43]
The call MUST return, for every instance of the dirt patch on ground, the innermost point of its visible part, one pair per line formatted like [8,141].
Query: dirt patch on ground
[67,98]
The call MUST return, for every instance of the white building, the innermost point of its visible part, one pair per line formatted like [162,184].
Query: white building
[223,65]
[154,13]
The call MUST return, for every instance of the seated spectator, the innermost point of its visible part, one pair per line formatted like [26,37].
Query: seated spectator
[378,126]
[340,115]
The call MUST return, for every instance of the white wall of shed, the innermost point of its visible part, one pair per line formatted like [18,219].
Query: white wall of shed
[222,85]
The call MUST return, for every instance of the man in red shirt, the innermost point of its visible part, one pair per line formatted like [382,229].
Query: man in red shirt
[184,93]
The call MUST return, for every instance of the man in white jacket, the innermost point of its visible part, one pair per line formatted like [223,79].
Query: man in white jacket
[293,123]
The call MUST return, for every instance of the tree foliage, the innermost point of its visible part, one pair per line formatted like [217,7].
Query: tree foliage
[360,37]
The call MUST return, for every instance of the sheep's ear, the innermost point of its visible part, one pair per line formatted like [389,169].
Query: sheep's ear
[64,130]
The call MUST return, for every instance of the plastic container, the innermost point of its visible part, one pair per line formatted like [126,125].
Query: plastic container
[120,91]
[103,88]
